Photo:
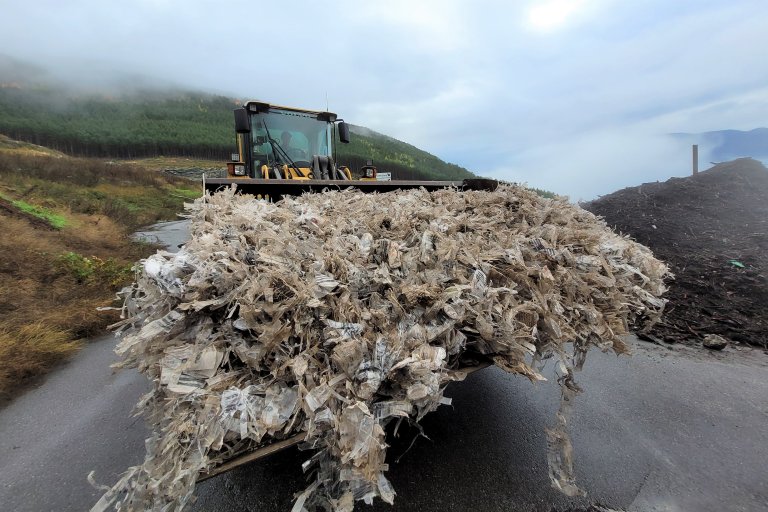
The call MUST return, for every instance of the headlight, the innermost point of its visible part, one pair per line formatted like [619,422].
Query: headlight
[239,170]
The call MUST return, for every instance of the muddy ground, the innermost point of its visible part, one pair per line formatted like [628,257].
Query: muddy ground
[712,230]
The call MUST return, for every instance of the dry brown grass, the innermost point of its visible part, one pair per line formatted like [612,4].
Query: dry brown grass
[83,172]
[45,306]
[160,163]
[52,280]
[31,350]
[18,147]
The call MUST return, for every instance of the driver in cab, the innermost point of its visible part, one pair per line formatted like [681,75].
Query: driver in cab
[285,144]
[285,140]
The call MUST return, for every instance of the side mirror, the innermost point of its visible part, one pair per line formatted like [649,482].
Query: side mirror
[344,132]
[242,121]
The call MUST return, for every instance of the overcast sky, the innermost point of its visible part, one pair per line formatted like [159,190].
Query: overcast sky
[573,96]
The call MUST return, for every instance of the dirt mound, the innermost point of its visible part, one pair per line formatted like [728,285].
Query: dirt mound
[712,230]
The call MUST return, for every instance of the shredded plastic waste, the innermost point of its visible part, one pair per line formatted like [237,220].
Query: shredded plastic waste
[335,314]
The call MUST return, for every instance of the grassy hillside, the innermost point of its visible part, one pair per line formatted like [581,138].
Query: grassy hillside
[403,160]
[170,123]
[66,249]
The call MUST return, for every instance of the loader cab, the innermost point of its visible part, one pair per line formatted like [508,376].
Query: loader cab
[277,142]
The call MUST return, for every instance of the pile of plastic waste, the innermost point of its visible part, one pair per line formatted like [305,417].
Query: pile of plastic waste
[335,314]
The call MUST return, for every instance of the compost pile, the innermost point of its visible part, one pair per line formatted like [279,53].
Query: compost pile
[334,314]
[712,230]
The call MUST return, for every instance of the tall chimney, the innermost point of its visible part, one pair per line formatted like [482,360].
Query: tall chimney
[695,159]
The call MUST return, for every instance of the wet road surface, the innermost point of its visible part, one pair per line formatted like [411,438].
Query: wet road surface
[659,431]
[663,430]
[170,234]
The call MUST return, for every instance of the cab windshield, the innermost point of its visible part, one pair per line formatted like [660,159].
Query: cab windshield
[298,135]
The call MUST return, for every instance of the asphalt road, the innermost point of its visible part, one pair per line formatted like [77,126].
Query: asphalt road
[666,430]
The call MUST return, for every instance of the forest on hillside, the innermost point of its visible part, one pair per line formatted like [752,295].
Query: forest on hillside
[124,127]
[175,123]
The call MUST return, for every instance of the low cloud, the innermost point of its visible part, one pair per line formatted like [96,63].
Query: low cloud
[601,162]
[581,107]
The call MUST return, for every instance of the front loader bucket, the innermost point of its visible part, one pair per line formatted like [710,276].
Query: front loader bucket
[276,189]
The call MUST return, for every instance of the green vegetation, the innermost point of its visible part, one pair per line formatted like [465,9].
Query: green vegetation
[403,160]
[186,193]
[540,191]
[53,188]
[131,126]
[543,193]
[91,269]
[54,219]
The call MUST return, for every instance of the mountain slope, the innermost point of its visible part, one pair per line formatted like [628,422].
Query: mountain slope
[390,154]
[723,145]
[165,122]
[144,123]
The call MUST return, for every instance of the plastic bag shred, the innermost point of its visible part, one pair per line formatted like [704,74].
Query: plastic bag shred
[334,314]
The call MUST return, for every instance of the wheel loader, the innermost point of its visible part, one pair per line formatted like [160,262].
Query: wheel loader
[287,151]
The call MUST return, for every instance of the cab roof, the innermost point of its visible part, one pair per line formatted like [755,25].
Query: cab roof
[260,106]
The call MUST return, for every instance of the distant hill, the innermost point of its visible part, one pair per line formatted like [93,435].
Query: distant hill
[149,121]
[724,145]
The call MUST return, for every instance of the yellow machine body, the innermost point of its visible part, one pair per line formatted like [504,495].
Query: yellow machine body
[289,151]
